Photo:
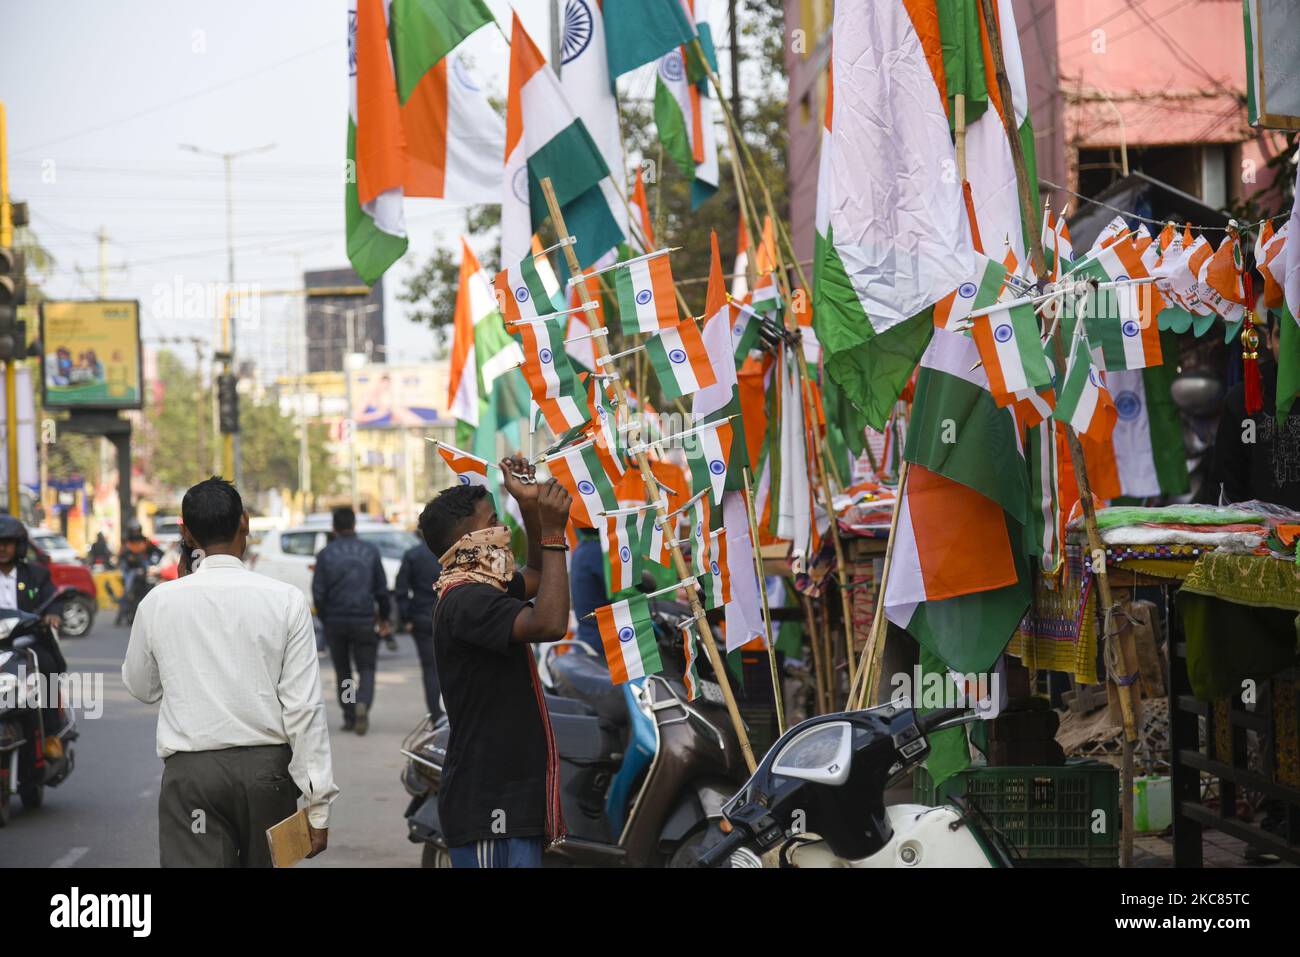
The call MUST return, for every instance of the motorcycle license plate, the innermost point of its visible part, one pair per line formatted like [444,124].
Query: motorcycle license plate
[712,692]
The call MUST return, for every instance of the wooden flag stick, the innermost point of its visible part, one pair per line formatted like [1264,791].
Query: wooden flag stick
[767,612]
[815,641]
[1029,216]
[652,492]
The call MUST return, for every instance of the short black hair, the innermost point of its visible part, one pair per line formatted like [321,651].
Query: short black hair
[211,511]
[344,519]
[443,517]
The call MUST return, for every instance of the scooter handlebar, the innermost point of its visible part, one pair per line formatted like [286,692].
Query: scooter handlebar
[933,719]
[723,849]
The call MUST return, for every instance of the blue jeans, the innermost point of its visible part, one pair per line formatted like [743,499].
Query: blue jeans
[588,590]
[500,852]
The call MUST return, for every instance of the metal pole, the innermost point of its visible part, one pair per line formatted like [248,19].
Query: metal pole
[11,376]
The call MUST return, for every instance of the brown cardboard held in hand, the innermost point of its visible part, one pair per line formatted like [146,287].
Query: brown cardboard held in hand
[290,840]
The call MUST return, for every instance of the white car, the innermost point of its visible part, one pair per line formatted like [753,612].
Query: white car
[289,555]
[54,545]
[166,530]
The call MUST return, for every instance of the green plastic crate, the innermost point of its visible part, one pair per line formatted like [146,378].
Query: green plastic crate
[1044,813]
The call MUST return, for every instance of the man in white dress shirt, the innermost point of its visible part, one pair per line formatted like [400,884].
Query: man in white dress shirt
[231,655]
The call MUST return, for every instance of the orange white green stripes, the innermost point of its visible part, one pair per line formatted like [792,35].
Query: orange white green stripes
[580,472]
[680,360]
[469,469]
[620,541]
[646,300]
[1083,399]
[627,633]
[708,456]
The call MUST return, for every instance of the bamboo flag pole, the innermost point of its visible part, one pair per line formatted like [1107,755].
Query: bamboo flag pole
[652,491]
[1029,216]
[767,612]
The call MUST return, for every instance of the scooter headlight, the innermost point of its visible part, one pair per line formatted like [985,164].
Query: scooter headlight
[822,754]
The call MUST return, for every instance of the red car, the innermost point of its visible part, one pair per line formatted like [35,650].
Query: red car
[80,606]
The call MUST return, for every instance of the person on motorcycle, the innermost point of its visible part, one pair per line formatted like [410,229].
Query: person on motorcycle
[138,553]
[499,795]
[99,553]
[27,586]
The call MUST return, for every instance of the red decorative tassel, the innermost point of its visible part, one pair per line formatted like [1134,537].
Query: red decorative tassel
[1254,393]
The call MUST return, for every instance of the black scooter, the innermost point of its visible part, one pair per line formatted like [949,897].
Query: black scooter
[819,794]
[26,767]
[644,771]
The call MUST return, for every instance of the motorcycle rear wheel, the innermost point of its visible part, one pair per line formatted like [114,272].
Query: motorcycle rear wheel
[32,795]
[4,803]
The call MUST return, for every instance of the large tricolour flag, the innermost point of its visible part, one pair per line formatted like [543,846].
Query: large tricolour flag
[415,126]
[546,139]
[892,232]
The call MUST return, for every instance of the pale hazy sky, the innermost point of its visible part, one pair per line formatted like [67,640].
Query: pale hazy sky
[100,95]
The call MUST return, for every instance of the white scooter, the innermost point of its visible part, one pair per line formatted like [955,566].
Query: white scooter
[820,793]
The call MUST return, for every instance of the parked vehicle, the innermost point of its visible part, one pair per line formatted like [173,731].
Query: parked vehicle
[289,555]
[644,771]
[52,544]
[166,530]
[819,793]
[78,593]
[27,765]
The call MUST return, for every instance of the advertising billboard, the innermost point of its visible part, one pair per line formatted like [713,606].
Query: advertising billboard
[91,354]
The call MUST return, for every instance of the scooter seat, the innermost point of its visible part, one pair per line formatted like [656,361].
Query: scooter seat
[586,678]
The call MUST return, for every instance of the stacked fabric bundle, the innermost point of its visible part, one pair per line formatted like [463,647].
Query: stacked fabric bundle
[1233,529]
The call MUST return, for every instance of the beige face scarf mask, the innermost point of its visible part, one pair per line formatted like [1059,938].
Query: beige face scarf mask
[483,556]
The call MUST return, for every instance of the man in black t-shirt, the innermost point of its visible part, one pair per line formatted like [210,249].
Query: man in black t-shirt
[499,794]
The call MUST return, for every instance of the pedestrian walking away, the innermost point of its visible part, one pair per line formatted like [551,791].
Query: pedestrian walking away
[415,601]
[230,656]
[348,586]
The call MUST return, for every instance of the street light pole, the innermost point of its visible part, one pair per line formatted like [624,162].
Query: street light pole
[233,445]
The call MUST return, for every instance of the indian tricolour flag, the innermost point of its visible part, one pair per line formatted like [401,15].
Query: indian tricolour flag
[716,582]
[579,470]
[550,376]
[646,298]
[655,532]
[527,289]
[1148,434]
[892,236]
[626,631]
[1083,400]
[978,292]
[418,123]
[707,454]
[959,603]
[680,360]
[546,139]
[469,469]
[1011,351]
[620,542]
[1121,320]
[684,117]
[481,350]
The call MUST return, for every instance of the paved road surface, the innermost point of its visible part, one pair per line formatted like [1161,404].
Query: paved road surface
[105,813]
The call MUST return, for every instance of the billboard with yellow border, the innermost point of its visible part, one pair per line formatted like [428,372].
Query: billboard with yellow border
[91,354]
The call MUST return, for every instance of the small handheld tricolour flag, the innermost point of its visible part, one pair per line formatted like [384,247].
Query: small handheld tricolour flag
[716,582]
[527,290]
[655,533]
[628,635]
[1011,351]
[708,456]
[602,401]
[579,470]
[744,331]
[1083,399]
[645,294]
[620,540]
[699,534]
[551,379]
[680,360]
[691,668]
[469,469]
[977,293]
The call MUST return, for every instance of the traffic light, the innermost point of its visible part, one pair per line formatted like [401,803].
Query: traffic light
[13,293]
[228,403]
[13,283]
